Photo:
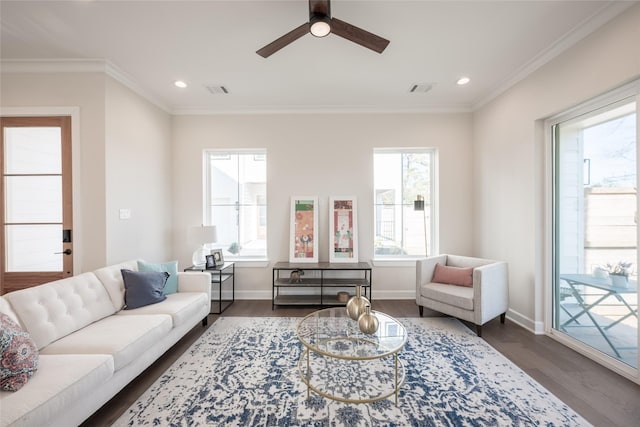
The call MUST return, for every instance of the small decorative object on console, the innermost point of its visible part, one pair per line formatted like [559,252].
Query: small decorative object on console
[343,296]
[218,257]
[356,305]
[368,322]
[296,276]
[210,263]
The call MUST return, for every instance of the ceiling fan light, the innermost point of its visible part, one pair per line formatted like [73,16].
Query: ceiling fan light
[320,25]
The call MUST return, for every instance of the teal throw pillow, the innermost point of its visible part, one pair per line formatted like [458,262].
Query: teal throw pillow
[143,288]
[169,267]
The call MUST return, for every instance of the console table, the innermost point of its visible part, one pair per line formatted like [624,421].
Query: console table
[221,275]
[319,284]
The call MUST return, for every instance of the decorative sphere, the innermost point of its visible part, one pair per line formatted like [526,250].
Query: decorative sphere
[368,322]
[356,306]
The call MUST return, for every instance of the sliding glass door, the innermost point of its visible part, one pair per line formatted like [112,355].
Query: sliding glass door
[595,241]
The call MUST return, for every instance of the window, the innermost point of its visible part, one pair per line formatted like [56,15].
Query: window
[236,201]
[400,176]
[595,215]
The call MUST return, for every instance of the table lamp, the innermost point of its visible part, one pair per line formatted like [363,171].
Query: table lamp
[202,236]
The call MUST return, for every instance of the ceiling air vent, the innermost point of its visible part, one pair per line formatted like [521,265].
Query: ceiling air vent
[421,87]
[217,89]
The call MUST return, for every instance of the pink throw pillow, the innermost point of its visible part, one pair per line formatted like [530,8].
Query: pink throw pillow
[453,275]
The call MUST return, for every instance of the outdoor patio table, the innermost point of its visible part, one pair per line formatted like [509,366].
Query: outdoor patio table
[609,291]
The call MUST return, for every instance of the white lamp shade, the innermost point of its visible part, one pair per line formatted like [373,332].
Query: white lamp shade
[202,236]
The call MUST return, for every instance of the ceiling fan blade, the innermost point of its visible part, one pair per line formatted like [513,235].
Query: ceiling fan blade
[283,41]
[358,35]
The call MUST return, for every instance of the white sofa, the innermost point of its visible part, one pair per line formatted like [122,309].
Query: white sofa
[90,348]
[487,298]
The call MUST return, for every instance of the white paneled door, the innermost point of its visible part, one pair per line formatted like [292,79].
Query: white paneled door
[36,239]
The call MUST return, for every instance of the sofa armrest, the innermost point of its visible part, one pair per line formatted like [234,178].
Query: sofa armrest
[195,281]
[424,271]
[492,280]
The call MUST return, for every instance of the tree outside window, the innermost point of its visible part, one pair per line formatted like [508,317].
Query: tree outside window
[400,176]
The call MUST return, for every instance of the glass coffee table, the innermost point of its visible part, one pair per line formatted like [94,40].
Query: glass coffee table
[342,363]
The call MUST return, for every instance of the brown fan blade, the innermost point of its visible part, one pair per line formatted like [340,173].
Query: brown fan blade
[358,35]
[278,44]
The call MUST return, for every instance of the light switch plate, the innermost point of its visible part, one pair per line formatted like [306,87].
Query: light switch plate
[125,213]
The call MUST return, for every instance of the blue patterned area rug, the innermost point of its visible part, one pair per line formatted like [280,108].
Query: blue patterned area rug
[244,372]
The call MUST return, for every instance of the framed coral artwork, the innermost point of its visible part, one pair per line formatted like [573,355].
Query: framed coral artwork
[343,228]
[303,240]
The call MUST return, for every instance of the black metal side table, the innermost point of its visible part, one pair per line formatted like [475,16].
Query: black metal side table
[220,275]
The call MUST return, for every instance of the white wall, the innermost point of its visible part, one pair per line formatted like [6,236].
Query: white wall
[509,154]
[84,92]
[324,155]
[491,165]
[122,160]
[138,177]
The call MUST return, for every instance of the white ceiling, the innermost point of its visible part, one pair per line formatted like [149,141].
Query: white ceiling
[150,44]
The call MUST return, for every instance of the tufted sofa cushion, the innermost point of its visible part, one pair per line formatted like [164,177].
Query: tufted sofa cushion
[181,306]
[56,309]
[5,308]
[59,381]
[111,278]
[125,338]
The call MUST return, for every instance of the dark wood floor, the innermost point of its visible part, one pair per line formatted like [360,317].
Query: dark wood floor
[602,397]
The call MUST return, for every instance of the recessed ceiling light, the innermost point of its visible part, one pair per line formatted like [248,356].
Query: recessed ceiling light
[180,84]
[463,81]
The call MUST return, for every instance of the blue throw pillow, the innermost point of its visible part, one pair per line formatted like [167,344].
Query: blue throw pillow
[143,288]
[170,267]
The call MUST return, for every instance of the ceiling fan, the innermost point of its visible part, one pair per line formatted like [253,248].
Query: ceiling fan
[321,24]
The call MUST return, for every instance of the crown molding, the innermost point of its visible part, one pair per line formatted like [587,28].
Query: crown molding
[53,66]
[589,25]
[80,66]
[327,109]
[122,77]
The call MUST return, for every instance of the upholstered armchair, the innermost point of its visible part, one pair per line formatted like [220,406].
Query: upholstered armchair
[477,299]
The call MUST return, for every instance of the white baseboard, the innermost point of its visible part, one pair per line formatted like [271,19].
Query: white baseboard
[253,295]
[394,294]
[527,323]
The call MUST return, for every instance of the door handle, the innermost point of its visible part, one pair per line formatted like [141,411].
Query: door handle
[66,252]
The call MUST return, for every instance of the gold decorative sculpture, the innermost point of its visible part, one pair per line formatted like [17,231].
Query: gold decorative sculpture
[368,322]
[356,305]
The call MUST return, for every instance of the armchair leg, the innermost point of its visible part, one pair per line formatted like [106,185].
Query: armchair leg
[421,310]
[479,330]
[205,321]
[502,317]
